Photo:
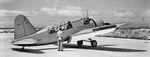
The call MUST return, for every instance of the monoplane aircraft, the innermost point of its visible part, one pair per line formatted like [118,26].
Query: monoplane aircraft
[25,34]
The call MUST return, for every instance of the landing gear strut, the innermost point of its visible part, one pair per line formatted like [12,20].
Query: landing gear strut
[93,42]
[69,39]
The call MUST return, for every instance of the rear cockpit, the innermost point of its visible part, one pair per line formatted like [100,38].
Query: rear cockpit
[62,26]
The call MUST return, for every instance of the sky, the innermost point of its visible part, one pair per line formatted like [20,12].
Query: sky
[49,12]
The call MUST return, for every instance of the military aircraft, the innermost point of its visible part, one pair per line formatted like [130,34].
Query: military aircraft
[25,33]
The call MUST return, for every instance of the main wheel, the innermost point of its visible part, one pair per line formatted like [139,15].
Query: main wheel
[80,43]
[93,43]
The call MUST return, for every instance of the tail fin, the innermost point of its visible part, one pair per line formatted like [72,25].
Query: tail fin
[22,27]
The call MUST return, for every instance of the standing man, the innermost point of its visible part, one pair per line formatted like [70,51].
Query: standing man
[60,40]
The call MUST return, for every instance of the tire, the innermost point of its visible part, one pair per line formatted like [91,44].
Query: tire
[80,43]
[93,43]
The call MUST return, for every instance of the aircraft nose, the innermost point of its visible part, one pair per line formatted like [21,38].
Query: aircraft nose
[98,21]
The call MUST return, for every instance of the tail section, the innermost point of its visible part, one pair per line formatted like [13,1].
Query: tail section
[22,27]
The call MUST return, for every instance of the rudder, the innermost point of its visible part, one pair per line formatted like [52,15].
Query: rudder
[22,27]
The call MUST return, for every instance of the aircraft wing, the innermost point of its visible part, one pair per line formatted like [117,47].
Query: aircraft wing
[90,33]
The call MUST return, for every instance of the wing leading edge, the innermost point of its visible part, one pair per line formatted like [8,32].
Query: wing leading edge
[92,32]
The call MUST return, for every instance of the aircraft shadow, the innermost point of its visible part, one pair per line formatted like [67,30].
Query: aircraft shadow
[28,50]
[47,49]
[99,47]
[103,47]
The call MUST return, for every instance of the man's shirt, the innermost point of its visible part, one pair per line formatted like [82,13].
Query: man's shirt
[59,34]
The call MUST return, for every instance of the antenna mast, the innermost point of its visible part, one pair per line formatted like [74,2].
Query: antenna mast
[87,14]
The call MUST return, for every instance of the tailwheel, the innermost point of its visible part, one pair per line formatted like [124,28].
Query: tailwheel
[80,43]
[22,48]
[93,43]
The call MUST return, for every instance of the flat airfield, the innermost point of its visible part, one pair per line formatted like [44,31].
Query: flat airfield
[107,47]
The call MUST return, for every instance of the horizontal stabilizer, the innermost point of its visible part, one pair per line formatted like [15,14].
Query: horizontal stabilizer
[25,41]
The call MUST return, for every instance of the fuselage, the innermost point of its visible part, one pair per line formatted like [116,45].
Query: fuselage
[45,36]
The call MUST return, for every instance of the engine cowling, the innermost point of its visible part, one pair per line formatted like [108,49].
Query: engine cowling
[99,22]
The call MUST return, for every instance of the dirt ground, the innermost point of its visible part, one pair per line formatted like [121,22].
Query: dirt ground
[107,47]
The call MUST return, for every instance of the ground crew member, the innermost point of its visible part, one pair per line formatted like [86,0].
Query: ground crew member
[60,40]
